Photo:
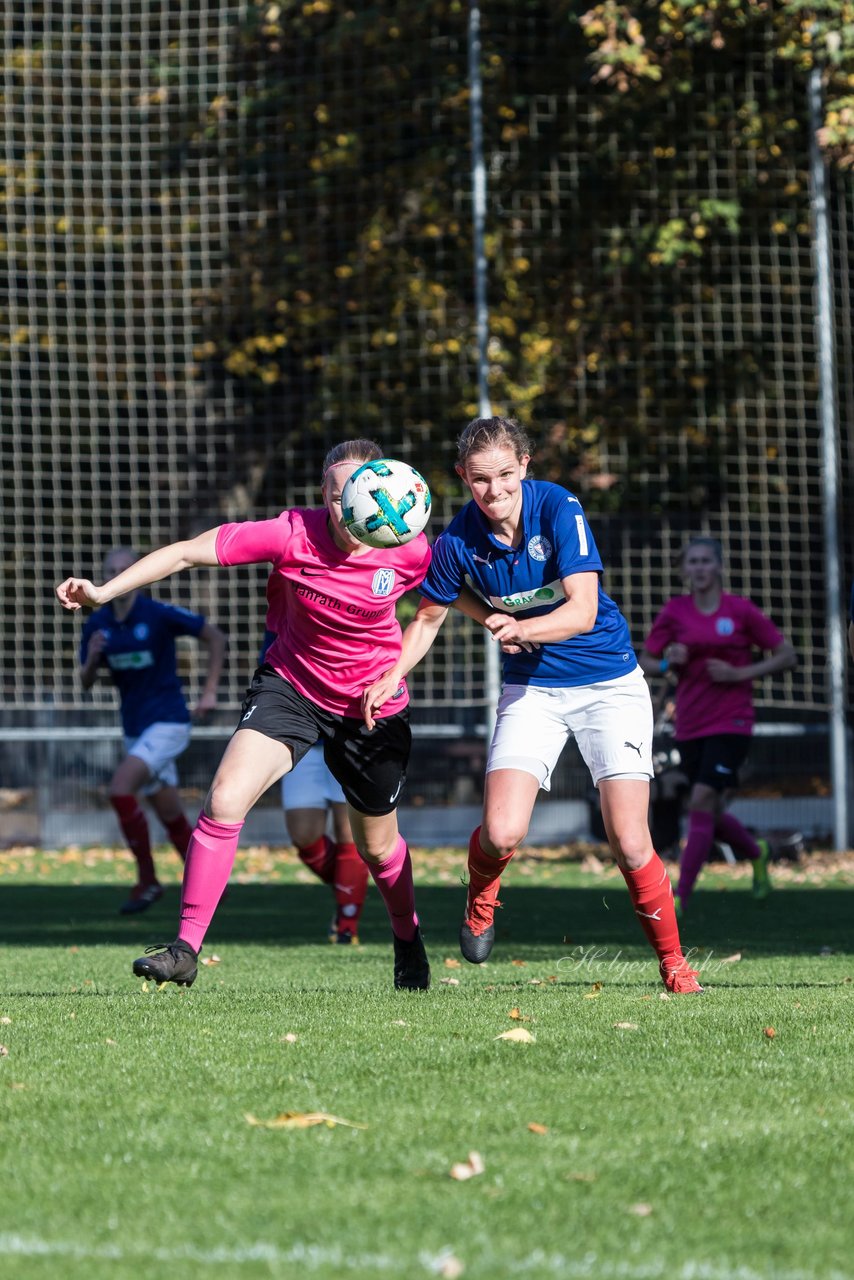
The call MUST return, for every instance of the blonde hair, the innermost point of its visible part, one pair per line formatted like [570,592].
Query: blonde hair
[360,450]
[492,433]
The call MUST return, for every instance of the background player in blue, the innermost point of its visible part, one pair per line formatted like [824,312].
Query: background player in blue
[569,668]
[134,638]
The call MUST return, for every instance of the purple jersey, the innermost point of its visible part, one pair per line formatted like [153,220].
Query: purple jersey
[731,633]
[140,653]
[333,612]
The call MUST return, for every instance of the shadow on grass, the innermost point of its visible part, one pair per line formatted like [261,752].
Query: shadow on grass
[547,923]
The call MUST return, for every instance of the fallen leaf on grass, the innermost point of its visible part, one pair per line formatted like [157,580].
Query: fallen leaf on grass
[211,960]
[449,982]
[520,964]
[301,1120]
[537,1128]
[5,1022]
[450,1268]
[535,982]
[288,1038]
[398,1022]
[640,1210]
[4,1052]
[519,1034]
[664,995]
[581,1177]
[468,1168]
[451,963]
[518,1016]
[109,1041]
[626,1026]
[594,991]
[770,1032]
[733,959]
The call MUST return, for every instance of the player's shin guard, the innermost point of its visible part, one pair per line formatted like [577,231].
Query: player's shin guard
[319,857]
[180,833]
[698,846]
[210,858]
[394,880]
[134,825]
[652,898]
[350,885]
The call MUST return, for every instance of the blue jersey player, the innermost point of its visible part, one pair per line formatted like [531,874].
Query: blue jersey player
[134,638]
[526,550]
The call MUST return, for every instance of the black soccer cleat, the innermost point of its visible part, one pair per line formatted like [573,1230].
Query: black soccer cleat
[476,947]
[411,966]
[168,962]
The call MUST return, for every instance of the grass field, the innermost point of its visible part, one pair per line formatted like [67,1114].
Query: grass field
[690,1138]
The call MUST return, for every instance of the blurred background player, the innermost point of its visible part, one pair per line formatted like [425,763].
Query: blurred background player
[707,640]
[134,638]
[311,800]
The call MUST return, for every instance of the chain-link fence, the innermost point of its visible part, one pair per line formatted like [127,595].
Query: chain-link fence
[237,232]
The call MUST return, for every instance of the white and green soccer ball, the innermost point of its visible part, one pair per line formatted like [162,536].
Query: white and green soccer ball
[385,503]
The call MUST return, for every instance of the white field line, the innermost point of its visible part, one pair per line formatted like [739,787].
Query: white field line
[312,1257]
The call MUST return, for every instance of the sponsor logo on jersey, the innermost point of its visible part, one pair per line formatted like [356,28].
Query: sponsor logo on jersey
[539,548]
[140,631]
[383,583]
[549,593]
[131,661]
[724,626]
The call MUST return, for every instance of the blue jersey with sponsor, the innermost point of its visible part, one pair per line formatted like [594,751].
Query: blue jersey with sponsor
[554,542]
[140,653]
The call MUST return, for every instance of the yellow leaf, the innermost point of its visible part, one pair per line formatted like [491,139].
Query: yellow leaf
[468,1168]
[451,963]
[519,1034]
[301,1120]
[537,1128]
[520,964]
[518,1015]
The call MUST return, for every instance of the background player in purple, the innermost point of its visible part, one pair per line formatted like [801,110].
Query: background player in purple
[708,640]
[336,632]
[134,639]
[569,669]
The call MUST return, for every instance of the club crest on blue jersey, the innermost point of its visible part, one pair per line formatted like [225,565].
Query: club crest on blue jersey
[383,583]
[140,631]
[724,626]
[539,548]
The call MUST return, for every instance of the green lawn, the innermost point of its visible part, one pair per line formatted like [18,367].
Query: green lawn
[686,1144]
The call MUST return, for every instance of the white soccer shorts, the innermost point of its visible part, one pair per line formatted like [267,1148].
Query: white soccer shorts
[610,720]
[159,746]
[310,785]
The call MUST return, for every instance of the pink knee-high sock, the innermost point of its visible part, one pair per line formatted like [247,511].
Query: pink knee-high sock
[730,830]
[210,858]
[393,878]
[698,846]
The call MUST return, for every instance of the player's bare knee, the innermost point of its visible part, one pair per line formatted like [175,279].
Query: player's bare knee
[501,838]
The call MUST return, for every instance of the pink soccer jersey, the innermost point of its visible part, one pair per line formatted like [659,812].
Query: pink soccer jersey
[731,633]
[333,613]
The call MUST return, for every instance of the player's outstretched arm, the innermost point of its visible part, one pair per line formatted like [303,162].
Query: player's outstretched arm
[74,593]
[215,640]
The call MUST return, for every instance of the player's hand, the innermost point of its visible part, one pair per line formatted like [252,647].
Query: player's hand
[97,644]
[509,631]
[676,654]
[205,704]
[74,593]
[377,695]
[721,672]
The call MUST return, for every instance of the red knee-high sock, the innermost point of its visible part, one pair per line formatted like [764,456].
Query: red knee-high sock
[134,825]
[180,833]
[210,858]
[698,846]
[350,881]
[484,870]
[652,898]
[319,857]
[730,830]
[393,878]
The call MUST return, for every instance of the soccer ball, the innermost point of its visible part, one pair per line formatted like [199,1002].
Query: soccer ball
[385,503]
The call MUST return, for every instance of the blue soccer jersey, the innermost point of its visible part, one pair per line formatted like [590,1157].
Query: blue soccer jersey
[555,541]
[140,653]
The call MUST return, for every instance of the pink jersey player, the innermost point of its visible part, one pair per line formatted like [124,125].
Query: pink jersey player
[709,640]
[333,601]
